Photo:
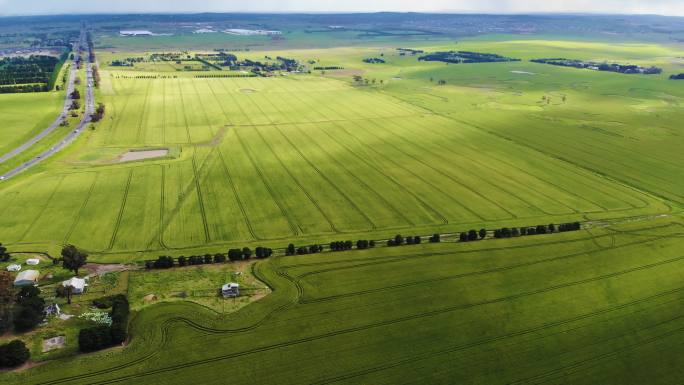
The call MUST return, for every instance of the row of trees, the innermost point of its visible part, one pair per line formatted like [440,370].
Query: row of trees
[677,77]
[505,232]
[303,250]
[103,336]
[234,255]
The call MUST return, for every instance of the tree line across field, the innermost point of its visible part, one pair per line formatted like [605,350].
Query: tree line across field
[465,57]
[608,67]
[233,255]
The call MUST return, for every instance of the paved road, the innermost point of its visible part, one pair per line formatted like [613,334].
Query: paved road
[89,110]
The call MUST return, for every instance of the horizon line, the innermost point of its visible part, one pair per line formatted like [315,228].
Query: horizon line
[302,12]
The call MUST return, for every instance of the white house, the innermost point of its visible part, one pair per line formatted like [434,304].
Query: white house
[78,285]
[230,290]
[27,278]
[14,267]
[33,261]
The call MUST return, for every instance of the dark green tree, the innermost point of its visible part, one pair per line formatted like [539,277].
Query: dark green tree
[73,258]
[13,354]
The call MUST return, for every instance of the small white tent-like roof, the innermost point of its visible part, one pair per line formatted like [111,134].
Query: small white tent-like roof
[78,285]
[27,278]
[33,261]
[14,267]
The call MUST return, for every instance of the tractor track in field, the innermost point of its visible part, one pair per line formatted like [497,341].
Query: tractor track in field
[430,167]
[368,188]
[238,200]
[162,201]
[452,277]
[410,318]
[374,167]
[287,215]
[298,183]
[453,349]
[544,377]
[185,116]
[466,170]
[42,209]
[408,171]
[121,211]
[570,162]
[81,210]
[592,172]
[444,173]
[144,109]
[337,188]
[360,181]
[290,218]
[200,199]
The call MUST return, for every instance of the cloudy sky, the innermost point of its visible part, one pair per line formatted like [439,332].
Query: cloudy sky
[24,7]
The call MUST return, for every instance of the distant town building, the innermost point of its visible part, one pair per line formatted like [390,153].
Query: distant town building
[252,32]
[27,278]
[135,33]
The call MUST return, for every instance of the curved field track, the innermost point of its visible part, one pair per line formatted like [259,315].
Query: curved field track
[559,308]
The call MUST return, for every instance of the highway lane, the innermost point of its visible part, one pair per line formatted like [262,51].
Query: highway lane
[89,110]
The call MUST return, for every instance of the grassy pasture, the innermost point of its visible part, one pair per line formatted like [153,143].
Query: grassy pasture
[25,115]
[604,306]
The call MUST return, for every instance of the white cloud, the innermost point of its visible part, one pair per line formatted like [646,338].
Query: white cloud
[663,7]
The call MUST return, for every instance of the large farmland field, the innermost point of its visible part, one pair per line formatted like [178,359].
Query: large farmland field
[511,200]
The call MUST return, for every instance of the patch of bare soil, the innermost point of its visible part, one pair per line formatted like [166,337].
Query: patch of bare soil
[100,269]
[141,155]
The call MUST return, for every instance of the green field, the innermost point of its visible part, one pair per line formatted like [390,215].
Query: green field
[25,115]
[318,157]
[605,307]
[315,157]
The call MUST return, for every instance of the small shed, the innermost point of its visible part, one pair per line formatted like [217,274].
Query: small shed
[33,261]
[27,278]
[14,267]
[230,290]
[78,285]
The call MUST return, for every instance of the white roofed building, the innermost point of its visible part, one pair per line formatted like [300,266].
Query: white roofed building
[78,285]
[27,278]
[230,290]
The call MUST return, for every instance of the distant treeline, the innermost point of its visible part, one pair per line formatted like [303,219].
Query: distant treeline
[373,60]
[677,77]
[608,67]
[404,51]
[328,68]
[465,57]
